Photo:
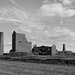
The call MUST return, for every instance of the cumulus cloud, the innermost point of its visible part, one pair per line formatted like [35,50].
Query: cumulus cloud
[67,2]
[56,9]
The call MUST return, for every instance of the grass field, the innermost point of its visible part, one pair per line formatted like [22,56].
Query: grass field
[22,68]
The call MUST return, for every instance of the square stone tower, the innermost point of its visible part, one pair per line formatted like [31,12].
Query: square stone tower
[20,43]
[1,43]
[54,50]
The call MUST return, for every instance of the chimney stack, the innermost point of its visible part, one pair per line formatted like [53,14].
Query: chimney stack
[64,49]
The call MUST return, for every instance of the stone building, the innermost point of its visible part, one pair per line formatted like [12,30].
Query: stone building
[45,50]
[20,43]
[53,50]
[1,43]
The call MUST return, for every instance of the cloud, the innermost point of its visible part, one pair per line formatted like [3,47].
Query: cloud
[34,27]
[12,14]
[67,2]
[53,34]
[31,26]
[14,3]
[59,32]
[55,9]
[20,18]
[37,31]
[45,1]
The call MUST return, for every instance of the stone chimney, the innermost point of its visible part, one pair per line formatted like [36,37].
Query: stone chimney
[64,49]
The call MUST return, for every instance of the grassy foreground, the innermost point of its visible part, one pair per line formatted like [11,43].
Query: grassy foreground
[22,68]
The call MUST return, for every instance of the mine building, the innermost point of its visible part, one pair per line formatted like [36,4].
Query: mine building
[45,50]
[20,43]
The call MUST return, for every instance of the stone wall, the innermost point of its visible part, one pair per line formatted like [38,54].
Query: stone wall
[1,43]
[54,50]
[45,50]
[21,43]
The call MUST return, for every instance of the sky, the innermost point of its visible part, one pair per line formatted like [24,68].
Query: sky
[44,22]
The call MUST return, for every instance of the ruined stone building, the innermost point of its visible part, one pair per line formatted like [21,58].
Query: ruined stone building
[45,50]
[20,43]
[1,43]
[53,50]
